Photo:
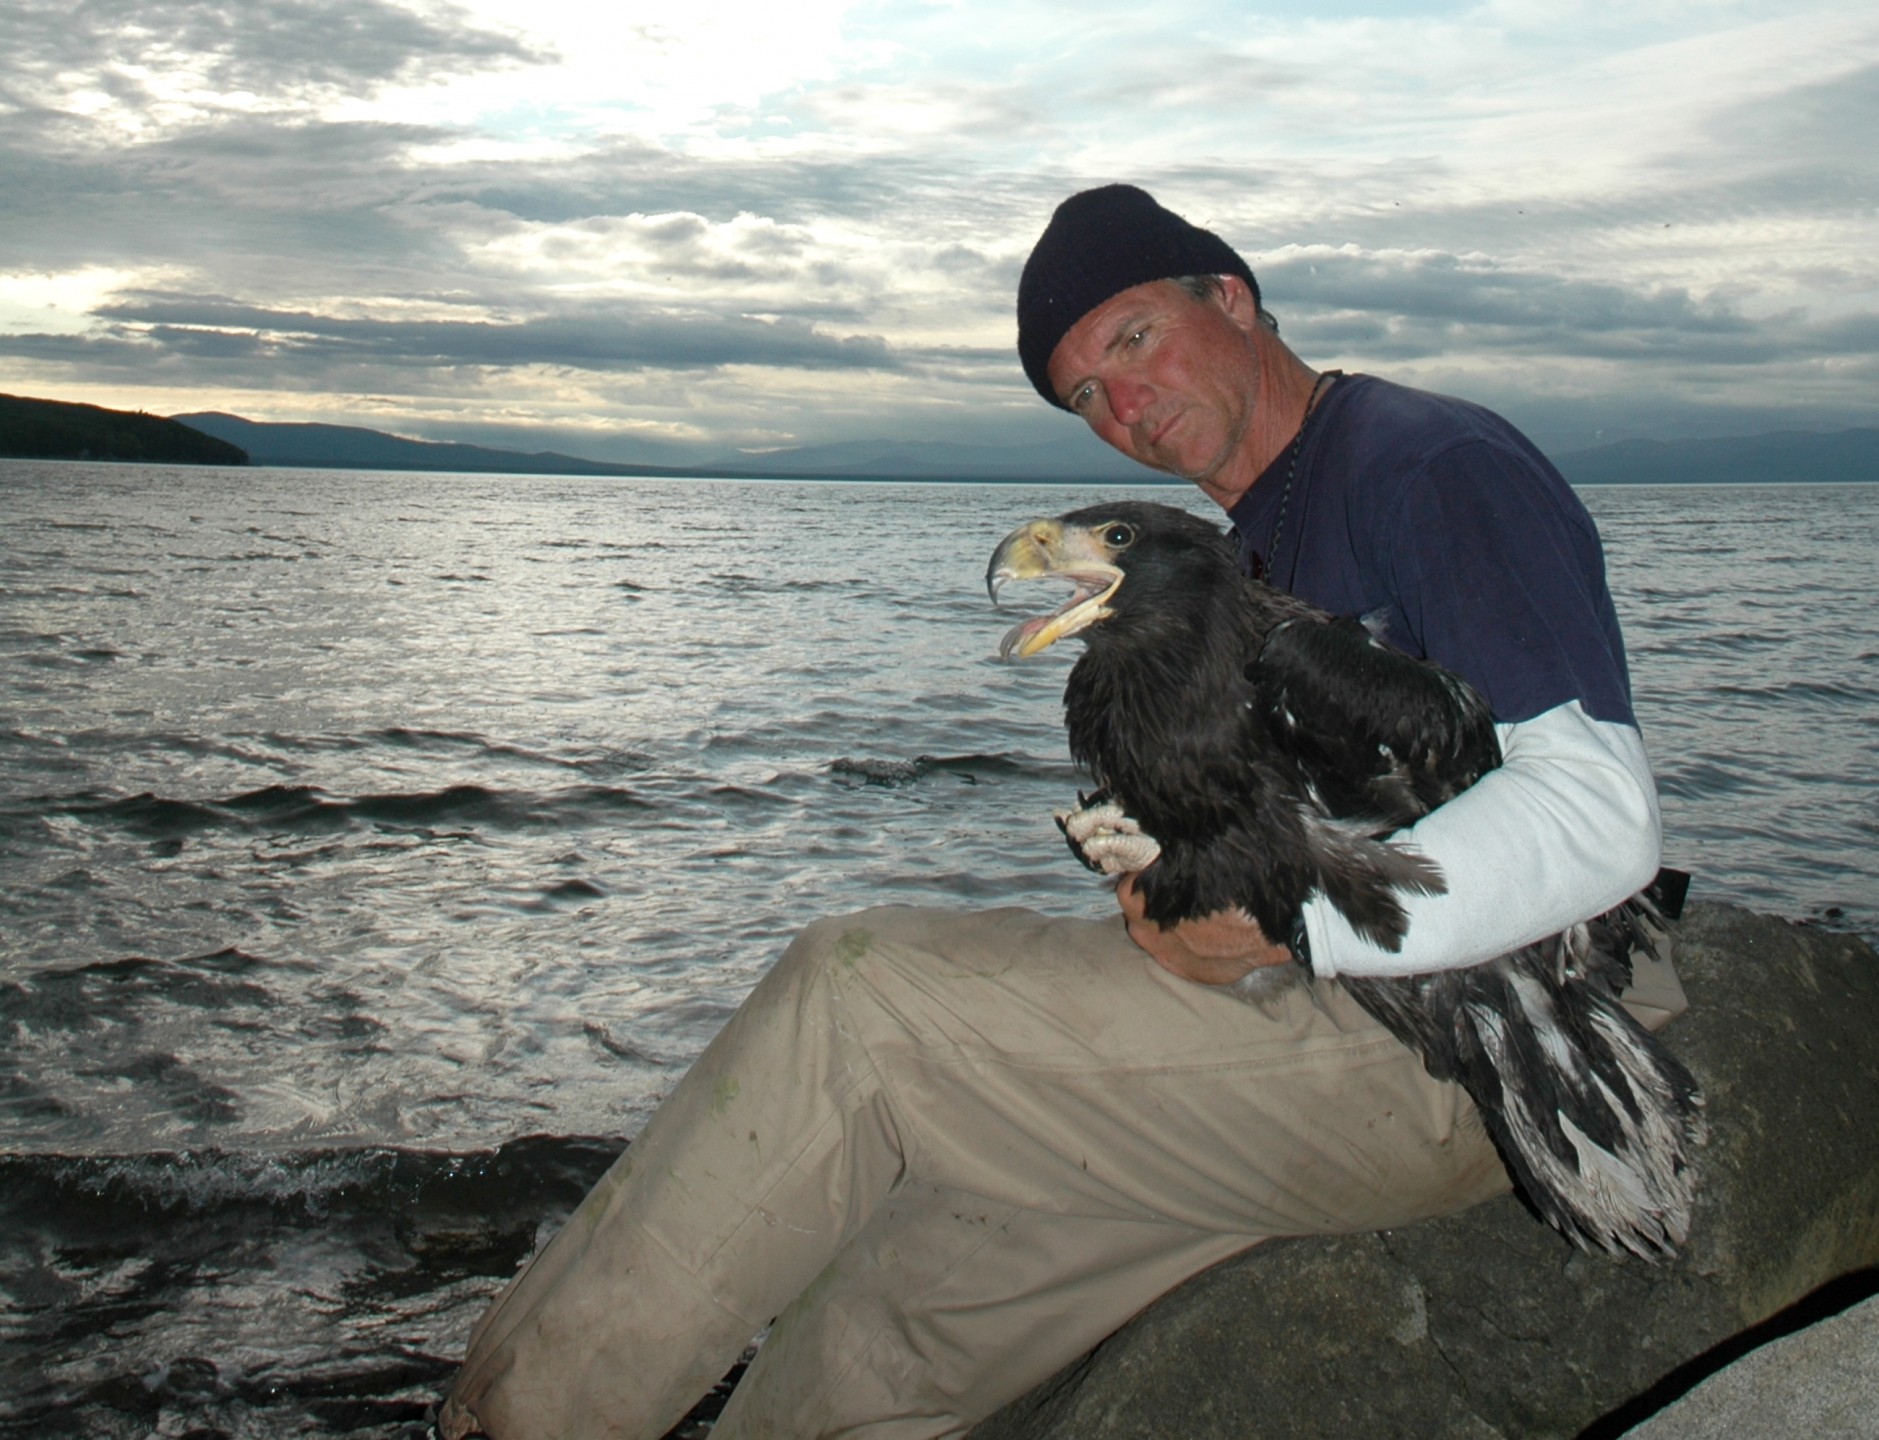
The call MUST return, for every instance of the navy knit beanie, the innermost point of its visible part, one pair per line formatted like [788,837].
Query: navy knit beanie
[1098,244]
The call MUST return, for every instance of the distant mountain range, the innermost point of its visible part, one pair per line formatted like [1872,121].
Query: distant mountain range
[349,447]
[1791,455]
[1788,455]
[1801,455]
[57,430]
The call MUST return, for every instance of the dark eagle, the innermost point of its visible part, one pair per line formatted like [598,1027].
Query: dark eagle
[1268,747]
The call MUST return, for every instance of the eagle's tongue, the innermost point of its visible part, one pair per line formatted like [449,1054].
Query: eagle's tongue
[1019,633]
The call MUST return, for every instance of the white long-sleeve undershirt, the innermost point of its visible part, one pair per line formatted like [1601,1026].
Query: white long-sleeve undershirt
[1564,829]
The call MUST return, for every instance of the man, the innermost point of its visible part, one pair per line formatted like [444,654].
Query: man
[1434,516]
[950,1152]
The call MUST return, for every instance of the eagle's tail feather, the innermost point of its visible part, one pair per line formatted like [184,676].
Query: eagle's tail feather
[1363,876]
[1597,1122]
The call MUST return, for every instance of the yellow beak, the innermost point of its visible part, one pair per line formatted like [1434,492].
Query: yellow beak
[1047,550]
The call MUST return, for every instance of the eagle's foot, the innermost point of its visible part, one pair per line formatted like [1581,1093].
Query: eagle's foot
[1103,837]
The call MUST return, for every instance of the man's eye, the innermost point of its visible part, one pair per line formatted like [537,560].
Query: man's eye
[1119,536]
[1136,338]
[1082,397]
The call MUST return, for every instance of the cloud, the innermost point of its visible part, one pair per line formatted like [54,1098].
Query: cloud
[1571,360]
[1820,124]
[303,209]
[1443,293]
[142,57]
[163,329]
[802,227]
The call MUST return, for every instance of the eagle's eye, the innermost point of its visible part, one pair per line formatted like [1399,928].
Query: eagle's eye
[1118,536]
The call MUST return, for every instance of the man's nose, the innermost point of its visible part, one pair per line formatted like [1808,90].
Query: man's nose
[1128,401]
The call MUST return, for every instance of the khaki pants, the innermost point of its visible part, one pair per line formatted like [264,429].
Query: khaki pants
[950,1153]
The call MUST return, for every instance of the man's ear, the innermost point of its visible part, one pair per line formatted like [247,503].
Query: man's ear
[1236,298]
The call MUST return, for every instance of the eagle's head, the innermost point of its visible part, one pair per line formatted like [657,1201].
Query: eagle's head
[1124,563]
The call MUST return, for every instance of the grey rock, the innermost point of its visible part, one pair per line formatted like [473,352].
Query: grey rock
[1822,1383]
[1488,1323]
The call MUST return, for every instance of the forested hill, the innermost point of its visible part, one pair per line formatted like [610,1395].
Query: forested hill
[60,430]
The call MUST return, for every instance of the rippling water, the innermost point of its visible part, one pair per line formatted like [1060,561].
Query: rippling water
[354,825]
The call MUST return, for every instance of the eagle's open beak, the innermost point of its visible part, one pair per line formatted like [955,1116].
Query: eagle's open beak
[1045,550]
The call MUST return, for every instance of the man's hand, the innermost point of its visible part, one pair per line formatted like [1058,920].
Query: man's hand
[1214,949]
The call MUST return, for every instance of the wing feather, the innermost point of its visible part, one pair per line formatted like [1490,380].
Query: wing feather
[1375,732]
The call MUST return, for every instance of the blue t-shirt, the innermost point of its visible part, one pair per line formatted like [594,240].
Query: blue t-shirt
[1442,521]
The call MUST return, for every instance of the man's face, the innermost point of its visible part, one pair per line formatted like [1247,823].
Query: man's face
[1165,378]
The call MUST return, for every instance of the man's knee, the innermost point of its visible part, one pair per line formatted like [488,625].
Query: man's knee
[855,962]
[906,976]
[844,944]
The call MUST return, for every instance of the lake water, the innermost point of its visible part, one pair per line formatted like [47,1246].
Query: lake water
[377,849]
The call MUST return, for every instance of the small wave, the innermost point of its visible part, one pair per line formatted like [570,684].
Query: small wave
[297,807]
[402,737]
[306,809]
[733,583]
[1802,690]
[468,743]
[574,891]
[730,792]
[37,739]
[454,802]
[147,814]
[967,769]
[84,997]
[1709,775]
[501,809]
[525,1174]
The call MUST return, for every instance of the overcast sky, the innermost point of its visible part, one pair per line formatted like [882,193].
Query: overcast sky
[644,228]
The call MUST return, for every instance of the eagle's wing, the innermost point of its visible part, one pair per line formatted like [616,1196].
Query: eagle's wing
[1376,733]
